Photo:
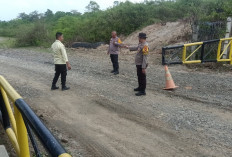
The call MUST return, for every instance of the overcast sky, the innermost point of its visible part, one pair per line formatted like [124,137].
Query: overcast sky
[10,9]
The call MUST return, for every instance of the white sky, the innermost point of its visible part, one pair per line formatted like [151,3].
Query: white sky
[10,9]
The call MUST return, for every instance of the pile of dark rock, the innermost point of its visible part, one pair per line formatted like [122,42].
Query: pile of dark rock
[87,45]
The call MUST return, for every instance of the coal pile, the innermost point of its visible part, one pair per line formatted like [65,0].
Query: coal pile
[87,45]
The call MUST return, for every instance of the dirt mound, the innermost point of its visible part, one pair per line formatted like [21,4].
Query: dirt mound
[160,35]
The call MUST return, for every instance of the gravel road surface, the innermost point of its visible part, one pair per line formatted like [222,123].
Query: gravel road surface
[101,116]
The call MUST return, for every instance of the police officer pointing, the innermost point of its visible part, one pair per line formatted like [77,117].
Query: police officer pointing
[141,62]
[115,44]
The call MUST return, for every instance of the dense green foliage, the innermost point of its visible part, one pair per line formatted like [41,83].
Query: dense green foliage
[95,25]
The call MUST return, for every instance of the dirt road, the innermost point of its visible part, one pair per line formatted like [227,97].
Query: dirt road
[100,116]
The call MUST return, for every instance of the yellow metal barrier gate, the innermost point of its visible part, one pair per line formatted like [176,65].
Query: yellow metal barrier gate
[18,124]
[185,59]
[222,51]
[181,54]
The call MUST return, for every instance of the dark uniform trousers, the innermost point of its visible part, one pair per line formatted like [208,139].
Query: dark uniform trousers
[142,79]
[60,69]
[114,60]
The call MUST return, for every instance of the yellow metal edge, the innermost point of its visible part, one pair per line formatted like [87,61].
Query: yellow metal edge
[195,61]
[230,54]
[22,134]
[184,54]
[65,155]
[13,140]
[193,44]
[224,39]
[9,89]
[9,110]
[224,60]
[219,50]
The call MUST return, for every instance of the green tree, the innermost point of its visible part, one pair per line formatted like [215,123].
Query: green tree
[69,31]
[92,7]
[23,16]
[34,16]
[75,12]
[116,3]
[48,14]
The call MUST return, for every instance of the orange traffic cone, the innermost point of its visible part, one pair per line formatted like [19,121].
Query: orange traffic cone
[170,85]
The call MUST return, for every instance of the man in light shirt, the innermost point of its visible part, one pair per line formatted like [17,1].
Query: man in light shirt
[61,62]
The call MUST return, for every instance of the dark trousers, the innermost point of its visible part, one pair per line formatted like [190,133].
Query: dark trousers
[114,60]
[142,79]
[60,69]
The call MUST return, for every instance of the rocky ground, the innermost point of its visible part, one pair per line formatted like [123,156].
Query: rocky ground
[101,116]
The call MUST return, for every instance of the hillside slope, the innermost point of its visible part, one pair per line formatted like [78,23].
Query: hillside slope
[160,35]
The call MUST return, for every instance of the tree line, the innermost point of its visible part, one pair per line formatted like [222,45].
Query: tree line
[38,29]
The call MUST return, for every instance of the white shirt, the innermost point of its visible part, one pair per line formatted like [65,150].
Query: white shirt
[59,53]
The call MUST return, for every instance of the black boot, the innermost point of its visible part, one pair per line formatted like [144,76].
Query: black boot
[54,87]
[137,89]
[65,88]
[116,72]
[112,71]
[140,93]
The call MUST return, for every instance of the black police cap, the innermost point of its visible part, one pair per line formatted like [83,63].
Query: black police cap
[142,35]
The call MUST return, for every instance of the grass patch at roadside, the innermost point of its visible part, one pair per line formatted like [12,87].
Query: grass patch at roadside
[6,42]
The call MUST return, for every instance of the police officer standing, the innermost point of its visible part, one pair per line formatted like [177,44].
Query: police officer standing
[61,62]
[141,62]
[115,44]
